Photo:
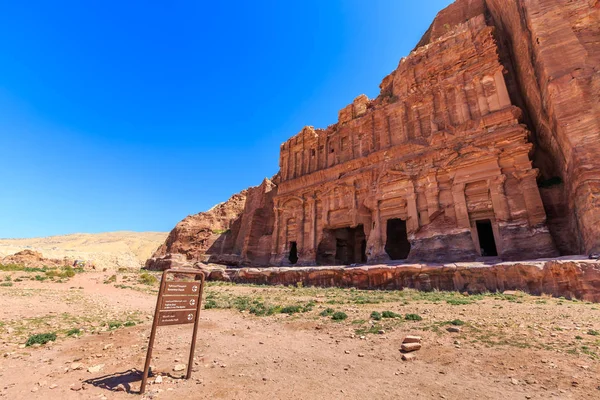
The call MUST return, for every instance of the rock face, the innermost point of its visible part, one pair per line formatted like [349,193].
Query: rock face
[35,259]
[236,232]
[482,143]
[568,277]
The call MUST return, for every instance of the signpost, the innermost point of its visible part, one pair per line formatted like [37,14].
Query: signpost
[178,303]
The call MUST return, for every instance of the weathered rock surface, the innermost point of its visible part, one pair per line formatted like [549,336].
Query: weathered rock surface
[569,277]
[236,232]
[31,258]
[483,142]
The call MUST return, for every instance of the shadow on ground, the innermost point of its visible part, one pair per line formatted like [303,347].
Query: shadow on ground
[110,382]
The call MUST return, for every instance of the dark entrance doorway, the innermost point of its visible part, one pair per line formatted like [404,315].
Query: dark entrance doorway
[293,253]
[485,233]
[342,246]
[397,245]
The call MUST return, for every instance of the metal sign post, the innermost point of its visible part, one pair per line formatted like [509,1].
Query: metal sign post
[178,303]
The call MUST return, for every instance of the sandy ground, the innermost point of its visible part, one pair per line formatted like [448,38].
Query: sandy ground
[110,250]
[508,347]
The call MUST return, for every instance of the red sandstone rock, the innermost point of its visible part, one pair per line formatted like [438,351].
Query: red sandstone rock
[412,339]
[484,140]
[408,347]
[569,277]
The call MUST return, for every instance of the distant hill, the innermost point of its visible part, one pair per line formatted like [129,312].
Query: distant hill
[109,250]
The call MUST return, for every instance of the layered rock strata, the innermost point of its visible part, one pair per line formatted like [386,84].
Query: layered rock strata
[572,278]
[482,143]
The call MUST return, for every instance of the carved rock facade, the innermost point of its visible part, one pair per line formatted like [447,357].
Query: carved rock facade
[483,142]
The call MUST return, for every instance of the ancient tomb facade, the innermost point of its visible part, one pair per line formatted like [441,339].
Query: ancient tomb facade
[436,168]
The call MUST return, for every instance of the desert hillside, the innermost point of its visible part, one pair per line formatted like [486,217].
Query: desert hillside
[105,250]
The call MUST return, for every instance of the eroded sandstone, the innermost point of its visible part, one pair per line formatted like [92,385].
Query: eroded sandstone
[482,143]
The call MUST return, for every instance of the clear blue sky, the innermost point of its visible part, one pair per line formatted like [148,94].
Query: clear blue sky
[130,115]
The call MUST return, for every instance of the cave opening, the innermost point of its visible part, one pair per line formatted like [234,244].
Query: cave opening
[397,245]
[485,233]
[293,253]
[343,246]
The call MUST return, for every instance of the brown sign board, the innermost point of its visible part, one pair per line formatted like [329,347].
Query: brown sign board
[170,303]
[176,317]
[178,302]
[175,287]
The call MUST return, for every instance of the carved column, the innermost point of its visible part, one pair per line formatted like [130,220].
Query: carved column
[312,209]
[533,201]
[501,91]
[302,218]
[432,192]
[275,236]
[412,224]
[481,99]
[460,206]
[499,200]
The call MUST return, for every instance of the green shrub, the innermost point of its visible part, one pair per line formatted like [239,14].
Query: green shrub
[390,314]
[456,322]
[129,323]
[375,315]
[339,316]
[413,317]
[74,331]
[327,312]
[210,303]
[41,338]
[147,279]
[593,332]
[6,284]
[291,309]
[114,325]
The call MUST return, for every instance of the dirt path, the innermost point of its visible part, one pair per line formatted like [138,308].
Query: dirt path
[508,348]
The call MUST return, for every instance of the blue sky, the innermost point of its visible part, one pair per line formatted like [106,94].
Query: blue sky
[131,115]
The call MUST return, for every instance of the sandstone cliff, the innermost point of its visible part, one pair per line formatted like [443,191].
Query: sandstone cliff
[236,232]
[491,124]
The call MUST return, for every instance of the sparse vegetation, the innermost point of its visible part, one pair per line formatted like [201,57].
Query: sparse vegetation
[147,279]
[327,312]
[390,314]
[40,338]
[339,316]
[413,317]
[73,332]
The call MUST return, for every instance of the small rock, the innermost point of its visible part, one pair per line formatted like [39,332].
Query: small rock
[76,365]
[35,389]
[361,355]
[453,329]
[53,386]
[408,347]
[96,368]
[347,351]
[514,381]
[412,339]
[158,379]
[408,357]
[120,388]
[510,293]
[179,367]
